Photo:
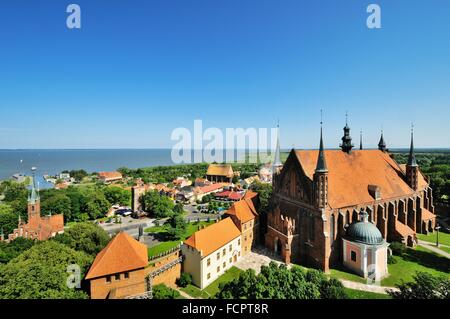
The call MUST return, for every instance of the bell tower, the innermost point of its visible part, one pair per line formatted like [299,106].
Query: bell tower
[412,169]
[320,179]
[34,202]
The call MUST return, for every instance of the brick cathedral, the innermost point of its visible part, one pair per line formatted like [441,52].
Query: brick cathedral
[318,193]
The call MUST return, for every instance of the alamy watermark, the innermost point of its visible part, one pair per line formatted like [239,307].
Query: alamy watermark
[74,279]
[73,21]
[251,145]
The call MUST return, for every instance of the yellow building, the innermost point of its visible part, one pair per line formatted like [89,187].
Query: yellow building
[209,252]
[245,217]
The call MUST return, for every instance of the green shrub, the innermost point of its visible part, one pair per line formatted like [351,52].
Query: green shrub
[391,260]
[398,249]
[184,280]
[161,291]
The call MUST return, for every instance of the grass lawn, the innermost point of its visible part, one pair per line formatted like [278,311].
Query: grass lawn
[213,288]
[358,294]
[169,244]
[229,275]
[195,292]
[344,274]
[419,259]
[444,238]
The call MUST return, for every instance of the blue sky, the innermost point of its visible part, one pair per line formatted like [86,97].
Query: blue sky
[136,70]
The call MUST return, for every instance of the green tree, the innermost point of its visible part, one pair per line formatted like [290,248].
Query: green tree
[59,203]
[178,209]
[160,206]
[264,191]
[279,282]
[41,273]
[184,280]
[86,237]
[13,249]
[423,286]
[118,195]
[97,205]
[8,220]
[177,227]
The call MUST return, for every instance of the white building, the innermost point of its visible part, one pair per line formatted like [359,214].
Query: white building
[365,250]
[211,251]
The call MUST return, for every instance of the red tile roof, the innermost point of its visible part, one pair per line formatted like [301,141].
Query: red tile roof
[123,253]
[243,210]
[109,175]
[350,175]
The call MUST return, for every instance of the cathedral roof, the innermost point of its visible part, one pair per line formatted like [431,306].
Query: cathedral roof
[350,175]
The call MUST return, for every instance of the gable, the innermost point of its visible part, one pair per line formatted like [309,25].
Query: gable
[293,182]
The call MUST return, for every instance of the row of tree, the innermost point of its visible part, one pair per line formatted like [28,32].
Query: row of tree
[278,282]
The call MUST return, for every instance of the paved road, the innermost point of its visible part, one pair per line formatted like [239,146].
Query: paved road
[433,248]
[365,287]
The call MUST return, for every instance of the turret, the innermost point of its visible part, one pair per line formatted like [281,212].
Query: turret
[320,178]
[346,144]
[382,143]
[412,169]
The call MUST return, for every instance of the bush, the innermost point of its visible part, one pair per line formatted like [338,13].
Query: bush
[423,286]
[161,291]
[398,249]
[184,280]
[391,260]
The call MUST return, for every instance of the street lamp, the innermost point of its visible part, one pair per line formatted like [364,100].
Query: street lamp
[437,234]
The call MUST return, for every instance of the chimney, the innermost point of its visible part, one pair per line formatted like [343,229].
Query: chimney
[375,191]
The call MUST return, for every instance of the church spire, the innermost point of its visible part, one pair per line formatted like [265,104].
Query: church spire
[321,162]
[382,143]
[412,169]
[346,144]
[34,196]
[277,161]
[412,157]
